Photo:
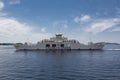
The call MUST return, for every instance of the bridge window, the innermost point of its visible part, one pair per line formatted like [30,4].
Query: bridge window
[53,45]
[62,45]
[47,45]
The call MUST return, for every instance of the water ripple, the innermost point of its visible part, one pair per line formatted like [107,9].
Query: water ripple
[68,65]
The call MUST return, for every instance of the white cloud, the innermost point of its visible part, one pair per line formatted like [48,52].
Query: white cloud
[13,2]
[83,18]
[1,5]
[116,29]
[43,29]
[61,24]
[102,25]
[65,25]
[10,26]
[12,30]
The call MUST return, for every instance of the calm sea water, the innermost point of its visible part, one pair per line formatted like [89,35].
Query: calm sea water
[59,65]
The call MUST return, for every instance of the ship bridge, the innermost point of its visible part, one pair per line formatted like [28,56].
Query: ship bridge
[59,39]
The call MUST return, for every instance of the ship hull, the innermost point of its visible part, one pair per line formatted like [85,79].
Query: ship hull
[66,47]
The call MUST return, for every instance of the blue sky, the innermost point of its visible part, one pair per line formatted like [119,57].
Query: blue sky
[84,20]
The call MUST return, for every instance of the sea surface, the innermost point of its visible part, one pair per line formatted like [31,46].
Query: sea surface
[59,65]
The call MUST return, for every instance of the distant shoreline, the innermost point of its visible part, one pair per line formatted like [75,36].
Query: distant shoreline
[7,43]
